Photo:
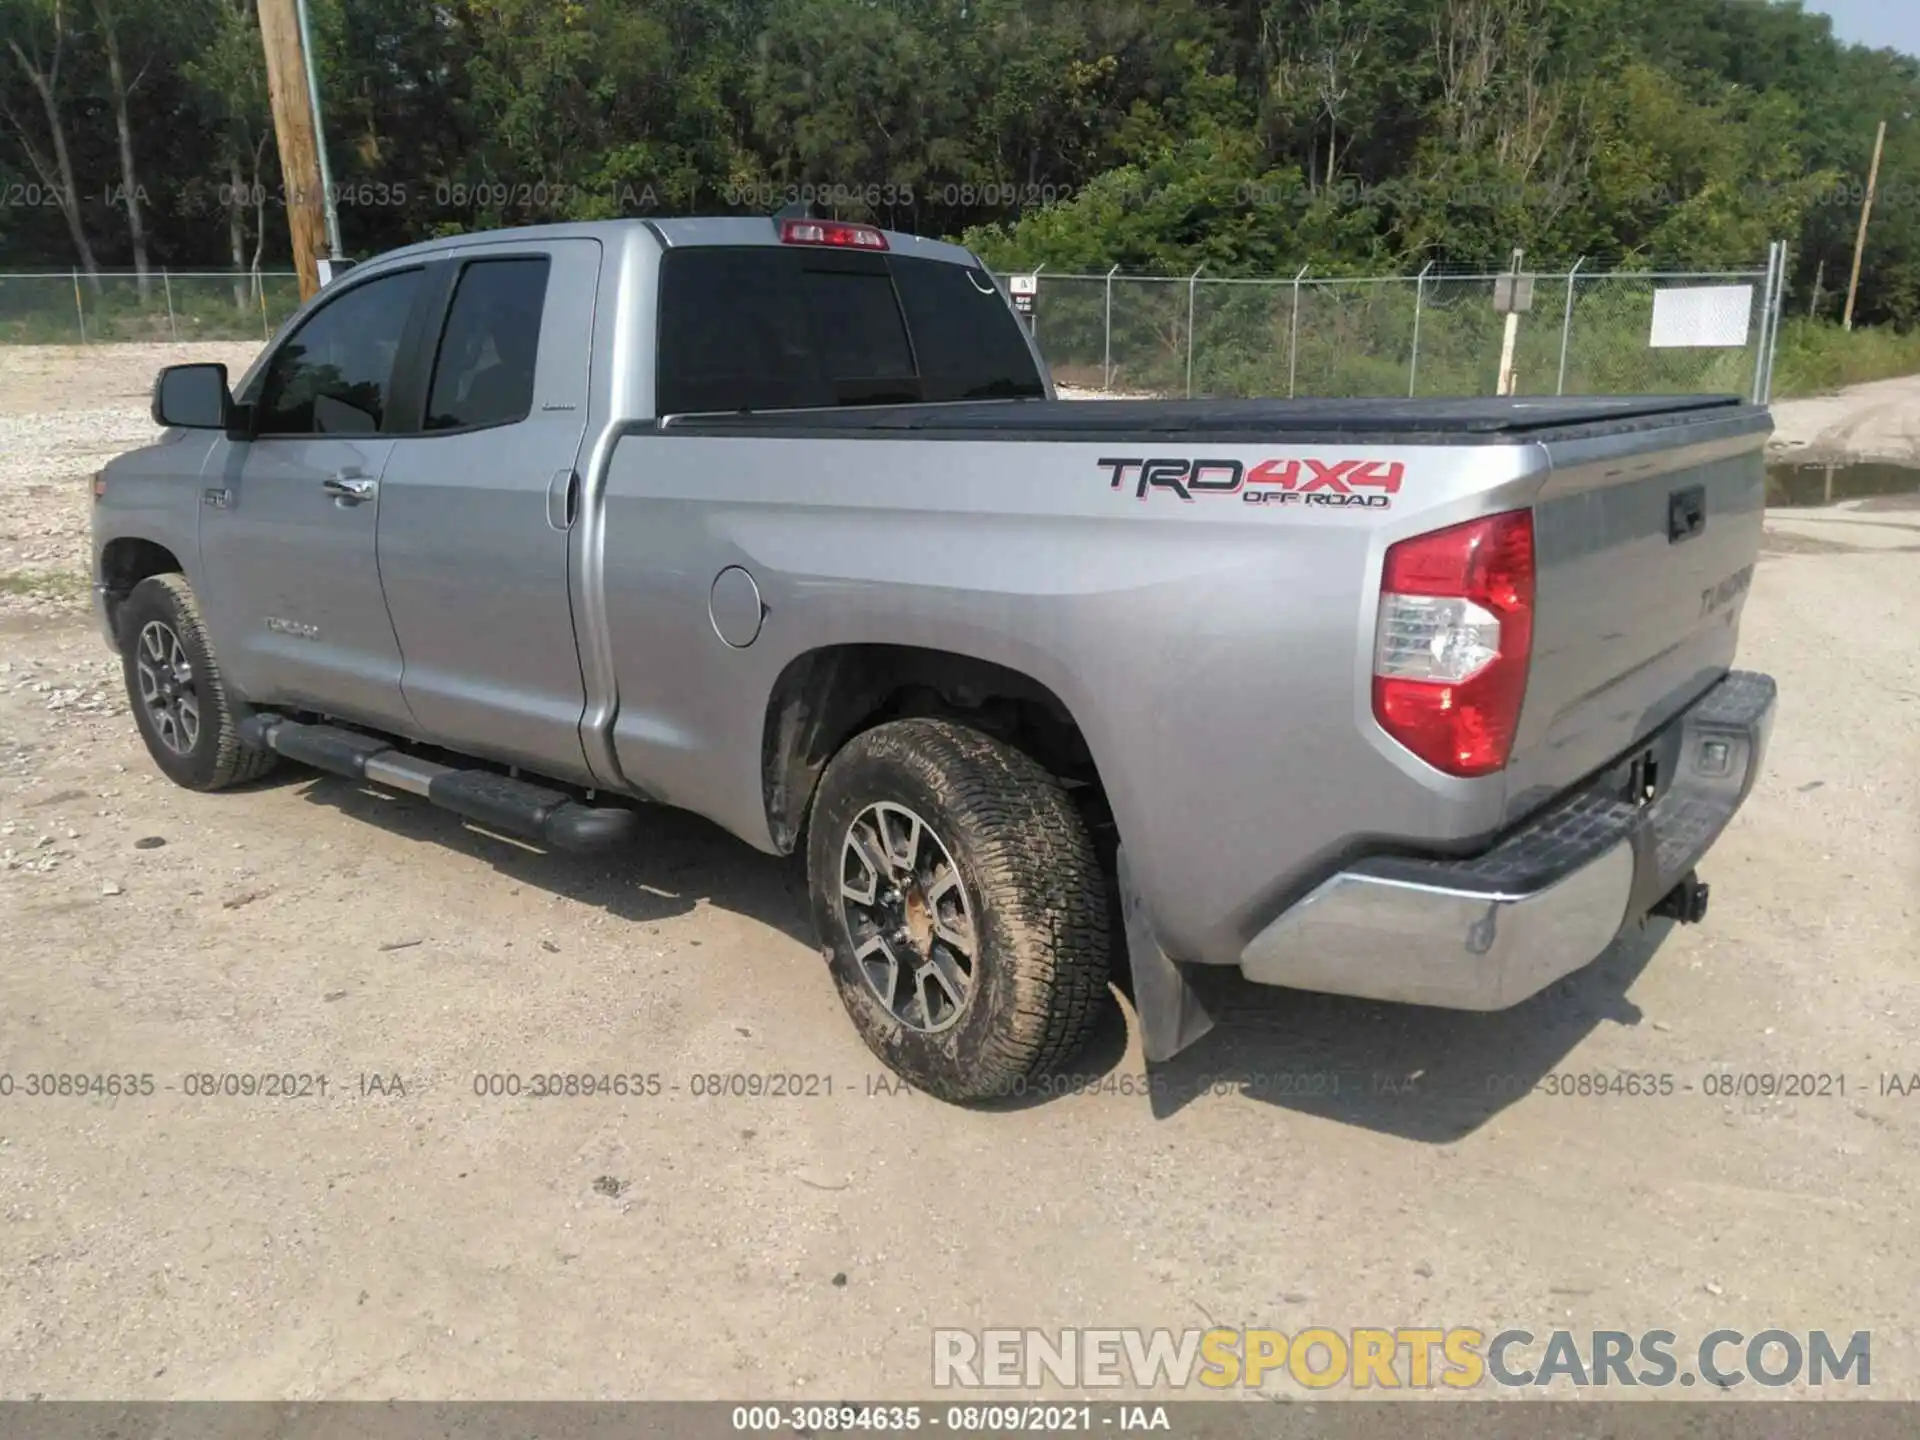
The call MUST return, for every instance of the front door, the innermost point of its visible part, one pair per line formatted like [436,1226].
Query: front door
[289,572]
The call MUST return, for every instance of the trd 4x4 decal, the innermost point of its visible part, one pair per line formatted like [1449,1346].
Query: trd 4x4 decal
[1370,484]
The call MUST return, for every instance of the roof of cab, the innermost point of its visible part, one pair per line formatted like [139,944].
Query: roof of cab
[675,234]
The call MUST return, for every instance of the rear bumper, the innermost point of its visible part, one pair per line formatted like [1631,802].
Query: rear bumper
[1485,933]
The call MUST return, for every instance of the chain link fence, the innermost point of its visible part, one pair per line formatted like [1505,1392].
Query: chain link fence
[1417,335]
[116,307]
[1431,334]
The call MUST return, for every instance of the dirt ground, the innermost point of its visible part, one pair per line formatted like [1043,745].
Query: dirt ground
[400,1235]
[1879,422]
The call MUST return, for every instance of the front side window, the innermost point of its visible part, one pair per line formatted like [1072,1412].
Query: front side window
[334,375]
[483,373]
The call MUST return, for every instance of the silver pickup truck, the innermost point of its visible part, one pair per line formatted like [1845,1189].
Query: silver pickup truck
[779,521]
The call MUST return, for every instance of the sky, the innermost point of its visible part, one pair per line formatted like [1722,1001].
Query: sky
[1892,23]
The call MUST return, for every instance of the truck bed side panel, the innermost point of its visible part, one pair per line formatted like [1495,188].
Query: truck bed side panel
[1214,651]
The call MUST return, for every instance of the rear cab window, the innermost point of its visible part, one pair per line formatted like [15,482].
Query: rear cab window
[763,327]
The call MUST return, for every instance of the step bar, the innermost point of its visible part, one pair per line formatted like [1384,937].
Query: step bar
[499,802]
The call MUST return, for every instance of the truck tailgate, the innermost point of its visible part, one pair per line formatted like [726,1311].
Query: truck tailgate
[1645,545]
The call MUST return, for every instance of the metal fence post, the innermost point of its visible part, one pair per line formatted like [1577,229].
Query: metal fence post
[172,329]
[1106,354]
[1780,308]
[1193,284]
[1419,300]
[1766,321]
[1293,338]
[78,308]
[1770,345]
[1566,325]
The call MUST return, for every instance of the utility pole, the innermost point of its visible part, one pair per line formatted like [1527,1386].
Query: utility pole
[297,136]
[1866,213]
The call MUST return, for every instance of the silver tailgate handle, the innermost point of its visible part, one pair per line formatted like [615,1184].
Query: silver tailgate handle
[349,487]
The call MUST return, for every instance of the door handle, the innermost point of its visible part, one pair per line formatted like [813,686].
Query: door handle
[563,493]
[351,489]
[1686,513]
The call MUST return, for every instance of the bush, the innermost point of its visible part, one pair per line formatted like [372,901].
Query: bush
[1817,356]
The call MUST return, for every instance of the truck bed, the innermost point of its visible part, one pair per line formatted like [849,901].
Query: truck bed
[1443,421]
[1267,612]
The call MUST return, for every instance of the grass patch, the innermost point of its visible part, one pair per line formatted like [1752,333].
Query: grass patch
[46,310]
[1816,357]
[44,584]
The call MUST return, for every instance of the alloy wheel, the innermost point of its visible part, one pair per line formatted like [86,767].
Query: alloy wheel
[908,917]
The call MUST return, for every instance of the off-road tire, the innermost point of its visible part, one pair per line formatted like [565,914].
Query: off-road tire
[216,758]
[1034,883]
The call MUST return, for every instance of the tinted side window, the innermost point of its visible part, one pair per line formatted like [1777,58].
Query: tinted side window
[483,373]
[333,374]
[968,343]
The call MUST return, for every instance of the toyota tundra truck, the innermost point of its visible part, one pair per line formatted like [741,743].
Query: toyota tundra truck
[781,522]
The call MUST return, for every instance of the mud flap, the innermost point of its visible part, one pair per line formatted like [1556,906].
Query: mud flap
[1171,1014]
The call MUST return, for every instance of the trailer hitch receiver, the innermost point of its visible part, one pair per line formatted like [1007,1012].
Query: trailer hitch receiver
[1686,902]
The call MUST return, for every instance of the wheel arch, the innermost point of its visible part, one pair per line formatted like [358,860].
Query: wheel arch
[824,697]
[125,561]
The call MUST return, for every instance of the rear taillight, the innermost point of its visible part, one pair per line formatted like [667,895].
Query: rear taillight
[1456,633]
[831,232]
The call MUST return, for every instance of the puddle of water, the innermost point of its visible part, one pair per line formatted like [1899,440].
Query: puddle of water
[1796,485]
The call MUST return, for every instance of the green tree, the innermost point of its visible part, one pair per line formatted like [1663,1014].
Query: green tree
[38,38]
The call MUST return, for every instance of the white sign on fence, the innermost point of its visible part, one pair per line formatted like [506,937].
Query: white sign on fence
[1699,316]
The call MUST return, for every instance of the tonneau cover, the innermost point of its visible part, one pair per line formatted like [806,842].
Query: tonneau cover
[1410,421]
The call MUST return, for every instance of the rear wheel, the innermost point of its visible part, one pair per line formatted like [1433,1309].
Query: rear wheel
[962,906]
[180,701]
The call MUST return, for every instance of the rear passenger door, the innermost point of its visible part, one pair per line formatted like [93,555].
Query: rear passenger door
[478,505]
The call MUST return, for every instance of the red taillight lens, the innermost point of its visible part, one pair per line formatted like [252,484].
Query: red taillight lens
[831,232]
[1454,639]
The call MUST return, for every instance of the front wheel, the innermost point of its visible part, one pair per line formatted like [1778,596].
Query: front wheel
[962,906]
[180,700]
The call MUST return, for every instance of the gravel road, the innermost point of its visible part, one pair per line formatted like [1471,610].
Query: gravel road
[1315,1161]
[1873,422]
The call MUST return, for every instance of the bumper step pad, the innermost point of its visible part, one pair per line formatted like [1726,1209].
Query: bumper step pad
[1487,931]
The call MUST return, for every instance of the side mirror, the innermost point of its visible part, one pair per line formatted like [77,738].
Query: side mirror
[193,397]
